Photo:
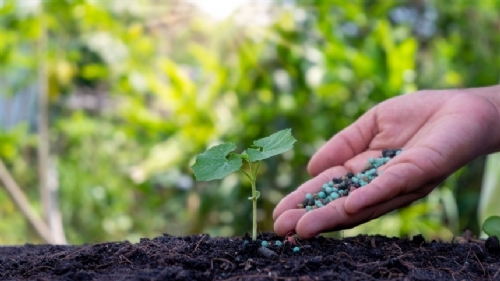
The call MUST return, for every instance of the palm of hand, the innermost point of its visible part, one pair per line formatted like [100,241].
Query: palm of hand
[440,131]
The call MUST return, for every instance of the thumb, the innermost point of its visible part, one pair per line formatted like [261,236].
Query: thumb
[345,145]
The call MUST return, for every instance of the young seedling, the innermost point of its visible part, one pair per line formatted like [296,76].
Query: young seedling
[491,226]
[220,161]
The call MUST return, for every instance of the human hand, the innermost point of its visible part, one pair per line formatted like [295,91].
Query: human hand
[439,132]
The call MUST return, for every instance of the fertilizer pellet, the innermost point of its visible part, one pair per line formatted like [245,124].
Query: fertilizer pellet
[343,186]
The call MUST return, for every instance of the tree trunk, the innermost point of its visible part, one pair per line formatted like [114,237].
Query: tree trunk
[48,189]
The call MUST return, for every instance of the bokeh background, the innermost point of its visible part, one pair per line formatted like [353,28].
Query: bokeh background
[105,104]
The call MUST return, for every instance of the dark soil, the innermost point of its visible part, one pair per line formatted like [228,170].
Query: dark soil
[201,257]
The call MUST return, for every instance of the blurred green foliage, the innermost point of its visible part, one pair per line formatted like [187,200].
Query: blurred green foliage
[137,90]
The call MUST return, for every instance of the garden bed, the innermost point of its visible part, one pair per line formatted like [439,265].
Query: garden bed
[201,257]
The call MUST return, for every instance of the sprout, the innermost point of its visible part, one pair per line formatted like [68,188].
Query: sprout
[220,161]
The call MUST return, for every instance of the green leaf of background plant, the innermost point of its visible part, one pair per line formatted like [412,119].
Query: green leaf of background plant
[215,163]
[275,144]
[491,226]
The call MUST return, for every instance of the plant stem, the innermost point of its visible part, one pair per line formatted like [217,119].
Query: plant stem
[255,172]
[247,175]
[254,207]
[253,178]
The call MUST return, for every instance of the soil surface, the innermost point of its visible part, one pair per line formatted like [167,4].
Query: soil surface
[201,257]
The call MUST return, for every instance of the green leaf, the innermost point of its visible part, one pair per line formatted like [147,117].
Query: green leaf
[215,163]
[491,226]
[275,144]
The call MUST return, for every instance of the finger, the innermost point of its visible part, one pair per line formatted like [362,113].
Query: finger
[345,145]
[311,186]
[402,175]
[334,217]
[355,165]
[287,221]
